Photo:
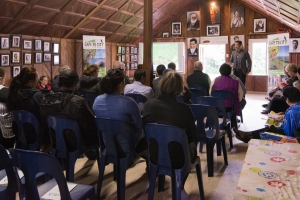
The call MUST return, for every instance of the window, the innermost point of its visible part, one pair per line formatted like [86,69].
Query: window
[258,53]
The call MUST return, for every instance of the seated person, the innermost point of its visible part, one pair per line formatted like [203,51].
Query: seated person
[120,65]
[55,81]
[43,84]
[90,83]
[8,137]
[165,109]
[290,121]
[115,106]
[66,103]
[159,70]
[225,82]
[198,77]
[139,87]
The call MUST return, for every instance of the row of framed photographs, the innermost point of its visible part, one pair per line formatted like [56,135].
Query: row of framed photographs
[122,58]
[27,59]
[132,66]
[38,45]
[127,50]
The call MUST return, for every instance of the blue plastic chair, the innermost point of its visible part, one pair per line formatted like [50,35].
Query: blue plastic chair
[198,87]
[138,98]
[210,136]
[165,136]
[217,103]
[61,148]
[112,134]
[27,130]
[9,191]
[88,96]
[31,163]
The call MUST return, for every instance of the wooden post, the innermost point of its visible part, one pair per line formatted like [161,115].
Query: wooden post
[148,39]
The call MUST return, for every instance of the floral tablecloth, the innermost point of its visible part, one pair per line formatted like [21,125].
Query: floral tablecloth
[271,170]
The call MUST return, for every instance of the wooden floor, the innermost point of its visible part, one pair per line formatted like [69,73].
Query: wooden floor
[221,186]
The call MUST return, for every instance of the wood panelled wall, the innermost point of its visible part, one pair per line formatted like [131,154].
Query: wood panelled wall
[253,83]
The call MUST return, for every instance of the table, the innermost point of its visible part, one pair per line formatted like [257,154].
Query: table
[271,170]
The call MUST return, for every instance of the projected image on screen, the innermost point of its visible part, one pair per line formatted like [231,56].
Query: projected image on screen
[164,53]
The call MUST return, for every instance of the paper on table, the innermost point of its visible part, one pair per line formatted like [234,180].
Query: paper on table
[273,115]
[271,121]
[4,181]
[54,192]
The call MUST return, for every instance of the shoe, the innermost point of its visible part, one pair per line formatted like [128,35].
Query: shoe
[265,112]
[265,105]
[241,135]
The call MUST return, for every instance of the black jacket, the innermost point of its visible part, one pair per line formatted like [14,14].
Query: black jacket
[90,84]
[198,78]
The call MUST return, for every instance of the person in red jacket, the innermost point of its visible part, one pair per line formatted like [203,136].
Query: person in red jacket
[43,83]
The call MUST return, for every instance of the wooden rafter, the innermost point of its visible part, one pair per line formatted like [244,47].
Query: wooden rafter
[86,18]
[23,11]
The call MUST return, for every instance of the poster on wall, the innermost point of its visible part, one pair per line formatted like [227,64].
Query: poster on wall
[94,52]
[234,38]
[278,52]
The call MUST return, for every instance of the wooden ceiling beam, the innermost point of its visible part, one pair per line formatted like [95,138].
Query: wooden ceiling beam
[46,8]
[16,2]
[6,18]
[56,17]
[63,26]
[97,19]
[23,11]
[86,18]
[75,14]
[88,2]
[33,22]
[110,8]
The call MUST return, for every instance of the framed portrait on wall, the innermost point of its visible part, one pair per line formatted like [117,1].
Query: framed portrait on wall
[176,28]
[46,46]
[259,25]
[47,57]
[193,20]
[234,38]
[27,58]
[193,44]
[123,50]
[38,45]
[119,49]
[132,50]
[55,59]
[38,58]
[55,48]
[294,45]
[127,50]
[4,43]
[15,41]
[4,59]
[237,17]
[15,57]
[214,13]
[27,44]
[165,34]
[16,70]
[213,30]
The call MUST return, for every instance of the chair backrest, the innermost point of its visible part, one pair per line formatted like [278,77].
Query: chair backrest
[201,112]
[166,136]
[115,139]
[61,129]
[138,98]
[225,95]
[216,103]
[88,96]
[31,163]
[198,87]
[195,94]
[13,182]
[27,129]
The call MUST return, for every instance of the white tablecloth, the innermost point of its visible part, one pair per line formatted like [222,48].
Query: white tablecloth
[271,171]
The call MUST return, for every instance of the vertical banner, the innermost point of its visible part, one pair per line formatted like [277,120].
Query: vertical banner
[278,52]
[94,52]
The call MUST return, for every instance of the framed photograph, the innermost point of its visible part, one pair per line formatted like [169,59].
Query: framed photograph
[15,41]
[123,50]
[234,38]
[131,58]
[213,30]
[16,70]
[132,50]
[259,25]
[132,66]
[237,17]
[127,50]
[119,50]
[55,59]
[193,20]
[214,13]
[38,57]
[16,57]
[294,45]
[4,42]
[123,58]
[120,58]
[176,28]
[135,58]
[55,48]
[136,49]
[4,59]
[27,59]
[127,65]
[47,57]
[165,34]
[27,44]
[193,44]
[38,45]
[46,46]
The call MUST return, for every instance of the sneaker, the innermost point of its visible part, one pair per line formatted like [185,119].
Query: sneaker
[265,105]
[241,135]
[265,112]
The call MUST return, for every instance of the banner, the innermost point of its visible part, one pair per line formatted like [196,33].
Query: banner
[278,51]
[94,52]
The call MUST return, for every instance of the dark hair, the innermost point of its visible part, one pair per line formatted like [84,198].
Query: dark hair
[225,69]
[26,74]
[139,74]
[68,78]
[160,69]
[172,66]
[239,42]
[110,82]
[90,70]
[171,83]
[292,93]
[193,40]
[298,70]
[2,73]
[295,41]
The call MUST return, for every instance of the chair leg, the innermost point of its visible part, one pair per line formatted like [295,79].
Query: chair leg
[101,168]
[210,157]
[201,147]
[218,148]
[152,179]
[224,150]
[70,164]
[161,183]
[200,180]
[229,134]
[121,180]
[176,185]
